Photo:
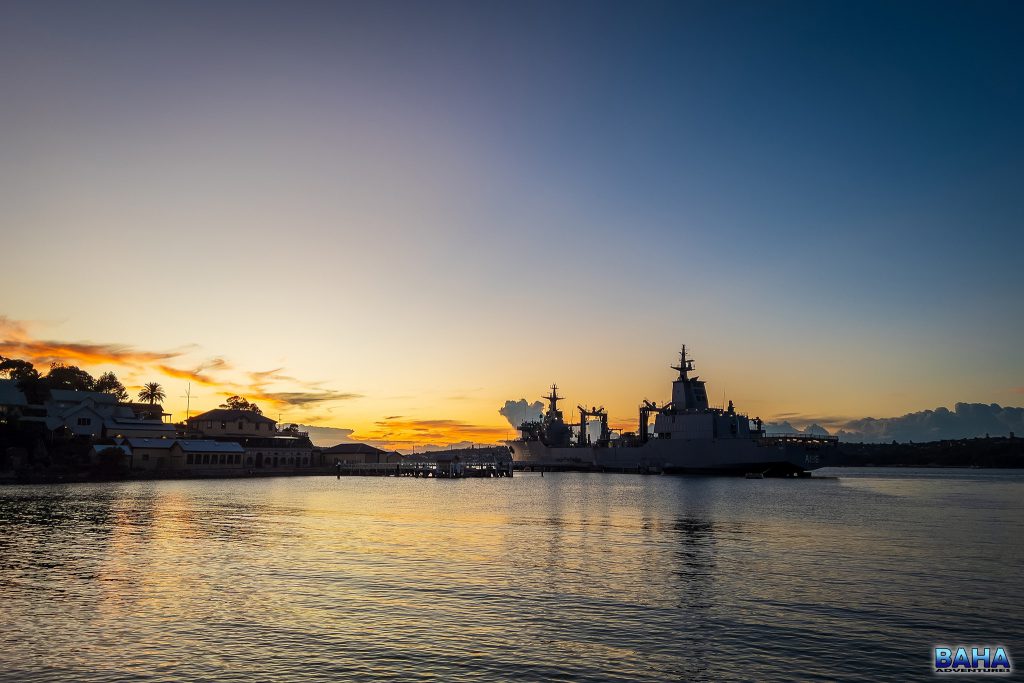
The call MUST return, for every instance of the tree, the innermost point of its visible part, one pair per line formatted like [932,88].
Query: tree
[152,393]
[18,370]
[109,384]
[63,376]
[31,384]
[239,403]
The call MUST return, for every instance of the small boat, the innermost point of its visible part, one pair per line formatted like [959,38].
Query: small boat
[754,475]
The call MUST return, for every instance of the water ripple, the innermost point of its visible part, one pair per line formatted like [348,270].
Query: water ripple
[567,577]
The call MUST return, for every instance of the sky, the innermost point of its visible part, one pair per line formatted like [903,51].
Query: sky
[391,218]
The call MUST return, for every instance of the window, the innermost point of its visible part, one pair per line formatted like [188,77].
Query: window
[209,424]
[223,459]
[190,459]
[241,425]
[206,458]
[84,421]
[259,426]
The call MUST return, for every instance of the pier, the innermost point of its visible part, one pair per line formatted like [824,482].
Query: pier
[438,469]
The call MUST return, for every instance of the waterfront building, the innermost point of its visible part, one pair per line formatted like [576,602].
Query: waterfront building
[281,451]
[125,449]
[128,427]
[227,422]
[264,444]
[93,414]
[355,454]
[81,413]
[448,464]
[151,454]
[201,455]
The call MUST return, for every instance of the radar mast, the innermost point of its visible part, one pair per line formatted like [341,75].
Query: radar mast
[685,364]
[553,398]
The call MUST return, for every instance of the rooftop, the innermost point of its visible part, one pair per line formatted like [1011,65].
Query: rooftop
[100,447]
[207,446]
[352,449]
[150,443]
[228,414]
[72,396]
[133,422]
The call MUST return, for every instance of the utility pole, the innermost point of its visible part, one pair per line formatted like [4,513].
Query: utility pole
[188,400]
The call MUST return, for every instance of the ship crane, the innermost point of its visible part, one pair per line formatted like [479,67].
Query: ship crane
[646,408]
[582,438]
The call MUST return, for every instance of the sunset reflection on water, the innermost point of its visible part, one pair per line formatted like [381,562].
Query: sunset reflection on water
[589,577]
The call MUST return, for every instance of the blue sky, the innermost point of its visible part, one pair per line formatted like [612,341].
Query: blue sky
[822,198]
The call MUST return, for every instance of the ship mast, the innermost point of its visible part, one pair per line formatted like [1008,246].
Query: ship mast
[553,398]
[688,393]
[685,365]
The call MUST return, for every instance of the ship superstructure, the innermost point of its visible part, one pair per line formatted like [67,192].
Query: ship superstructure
[688,435]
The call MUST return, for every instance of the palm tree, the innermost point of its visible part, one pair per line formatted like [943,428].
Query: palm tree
[152,393]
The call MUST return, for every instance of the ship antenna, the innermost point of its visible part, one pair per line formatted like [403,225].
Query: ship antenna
[553,397]
[685,364]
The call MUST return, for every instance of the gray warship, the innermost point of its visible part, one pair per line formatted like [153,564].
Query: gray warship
[688,437]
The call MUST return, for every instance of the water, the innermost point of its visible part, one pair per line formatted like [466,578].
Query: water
[579,577]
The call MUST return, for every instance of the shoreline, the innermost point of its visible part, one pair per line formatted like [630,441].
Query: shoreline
[14,480]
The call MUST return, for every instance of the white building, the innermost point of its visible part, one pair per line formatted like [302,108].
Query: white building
[94,414]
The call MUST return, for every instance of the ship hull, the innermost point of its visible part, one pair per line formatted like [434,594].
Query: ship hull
[680,456]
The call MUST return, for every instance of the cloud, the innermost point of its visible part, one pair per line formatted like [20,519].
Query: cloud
[300,399]
[260,378]
[332,436]
[214,364]
[12,327]
[409,435]
[1018,390]
[328,436]
[16,341]
[785,427]
[412,433]
[272,386]
[190,375]
[518,412]
[301,394]
[432,447]
[966,420]
[831,421]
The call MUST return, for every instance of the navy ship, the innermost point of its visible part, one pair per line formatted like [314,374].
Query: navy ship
[688,436]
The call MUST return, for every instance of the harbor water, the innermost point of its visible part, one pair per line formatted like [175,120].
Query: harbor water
[854,574]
